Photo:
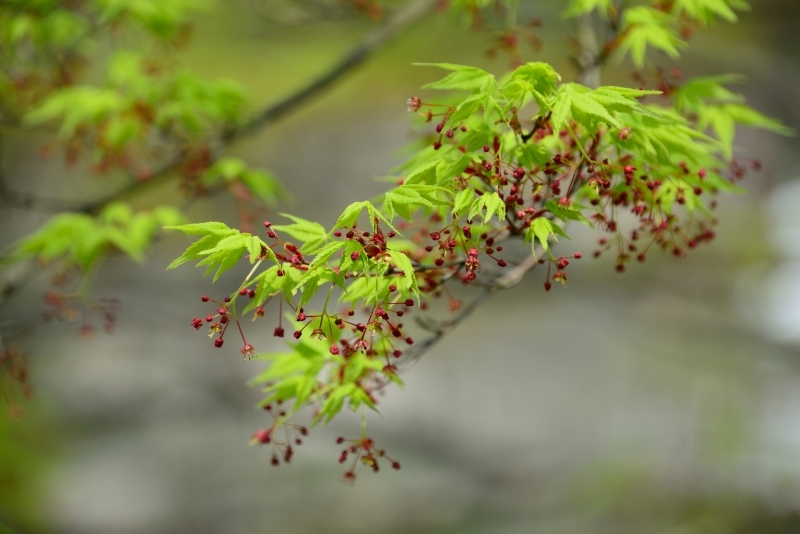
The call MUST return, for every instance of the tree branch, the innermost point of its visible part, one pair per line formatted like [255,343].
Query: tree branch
[589,74]
[507,281]
[403,18]
[400,20]
[590,63]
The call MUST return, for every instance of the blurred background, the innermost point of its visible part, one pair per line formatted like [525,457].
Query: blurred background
[664,400]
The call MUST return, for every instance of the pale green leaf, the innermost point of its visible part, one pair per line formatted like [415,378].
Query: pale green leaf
[404,264]
[462,201]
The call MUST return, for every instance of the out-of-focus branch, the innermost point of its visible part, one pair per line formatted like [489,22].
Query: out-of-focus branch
[589,74]
[15,199]
[593,57]
[400,20]
[403,18]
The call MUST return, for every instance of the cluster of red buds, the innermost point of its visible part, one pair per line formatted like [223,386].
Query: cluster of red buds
[219,321]
[373,244]
[363,450]
[282,445]
[472,264]
[509,41]
[72,308]
[542,189]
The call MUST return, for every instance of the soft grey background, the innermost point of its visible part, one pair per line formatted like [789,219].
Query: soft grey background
[664,400]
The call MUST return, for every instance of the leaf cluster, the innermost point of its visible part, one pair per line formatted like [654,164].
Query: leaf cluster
[83,240]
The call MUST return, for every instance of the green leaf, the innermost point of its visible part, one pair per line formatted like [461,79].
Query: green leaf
[445,174]
[645,26]
[532,155]
[404,264]
[577,101]
[723,119]
[264,185]
[538,78]
[203,228]
[401,200]
[350,215]
[542,229]
[267,283]
[221,260]
[228,169]
[423,174]
[578,7]
[261,183]
[324,254]
[462,201]
[587,105]
[621,99]
[335,401]
[463,77]
[77,107]
[464,110]
[254,245]
[493,205]
[120,130]
[116,213]
[572,213]
[359,397]
[705,11]
[561,109]
[310,282]
[701,91]
[749,117]
[311,233]
[405,199]
[230,243]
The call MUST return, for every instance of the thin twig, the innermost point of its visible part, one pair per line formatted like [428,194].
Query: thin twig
[507,281]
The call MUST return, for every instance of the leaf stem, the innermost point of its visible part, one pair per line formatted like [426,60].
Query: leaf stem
[363,420]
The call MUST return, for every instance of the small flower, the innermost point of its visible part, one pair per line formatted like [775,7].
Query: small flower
[318,334]
[261,436]
[414,103]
